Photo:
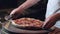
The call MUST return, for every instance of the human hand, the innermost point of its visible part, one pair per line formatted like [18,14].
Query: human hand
[16,12]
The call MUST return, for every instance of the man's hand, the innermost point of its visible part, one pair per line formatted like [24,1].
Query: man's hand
[16,11]
[24,6]
[51,20]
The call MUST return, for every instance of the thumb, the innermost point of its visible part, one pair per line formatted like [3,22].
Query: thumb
[13,12]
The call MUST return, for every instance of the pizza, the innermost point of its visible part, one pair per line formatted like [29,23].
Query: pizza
[27,22]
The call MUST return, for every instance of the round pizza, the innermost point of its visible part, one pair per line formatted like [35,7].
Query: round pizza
[27,22]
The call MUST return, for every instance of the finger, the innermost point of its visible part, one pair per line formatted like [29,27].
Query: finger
[13,12]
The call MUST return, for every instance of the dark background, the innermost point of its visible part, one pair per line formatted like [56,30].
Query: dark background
[8,4]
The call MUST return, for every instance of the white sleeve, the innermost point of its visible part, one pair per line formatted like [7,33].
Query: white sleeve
[52,6]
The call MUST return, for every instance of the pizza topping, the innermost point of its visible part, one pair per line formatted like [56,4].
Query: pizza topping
[28,22]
